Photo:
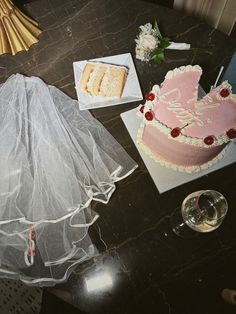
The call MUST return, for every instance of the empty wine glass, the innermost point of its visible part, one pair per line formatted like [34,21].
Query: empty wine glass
[201,211]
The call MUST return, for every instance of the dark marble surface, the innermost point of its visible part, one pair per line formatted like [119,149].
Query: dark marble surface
[151,269]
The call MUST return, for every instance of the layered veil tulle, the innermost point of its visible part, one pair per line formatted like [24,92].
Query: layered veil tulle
[54,160]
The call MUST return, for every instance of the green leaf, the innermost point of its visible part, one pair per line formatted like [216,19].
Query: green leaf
[155,26]
[157,55]
[160,56]
[158,59]
[164,42]
[157,30]
[155,52]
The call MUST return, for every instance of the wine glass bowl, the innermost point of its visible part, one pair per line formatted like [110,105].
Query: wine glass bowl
[201,211]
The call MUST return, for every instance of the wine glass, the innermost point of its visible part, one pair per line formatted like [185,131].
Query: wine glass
[201,211]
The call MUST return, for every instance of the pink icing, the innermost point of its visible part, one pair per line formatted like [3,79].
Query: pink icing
[178,106]
[178,153]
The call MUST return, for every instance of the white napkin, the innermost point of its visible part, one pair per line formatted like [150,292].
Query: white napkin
[178,46]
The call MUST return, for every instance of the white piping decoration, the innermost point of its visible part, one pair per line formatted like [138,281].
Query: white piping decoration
[226,85]
[186,139]
[168,164]
[177,71]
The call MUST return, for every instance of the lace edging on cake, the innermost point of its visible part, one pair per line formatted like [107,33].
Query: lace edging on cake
[188,169]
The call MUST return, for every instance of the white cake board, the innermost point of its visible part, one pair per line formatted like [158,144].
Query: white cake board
[164,178]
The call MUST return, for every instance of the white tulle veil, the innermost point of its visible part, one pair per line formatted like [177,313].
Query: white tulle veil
[54,160]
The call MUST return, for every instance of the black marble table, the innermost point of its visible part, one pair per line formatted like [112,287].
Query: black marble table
[152,270]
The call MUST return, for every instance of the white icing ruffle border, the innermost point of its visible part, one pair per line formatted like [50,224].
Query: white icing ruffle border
[180,70]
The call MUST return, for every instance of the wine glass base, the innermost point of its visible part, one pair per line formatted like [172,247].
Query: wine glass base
[179,227]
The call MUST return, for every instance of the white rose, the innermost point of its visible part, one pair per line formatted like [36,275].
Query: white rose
[146,29]
[141,54]
[147,42]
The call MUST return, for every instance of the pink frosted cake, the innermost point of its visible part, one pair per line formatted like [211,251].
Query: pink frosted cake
[182,132]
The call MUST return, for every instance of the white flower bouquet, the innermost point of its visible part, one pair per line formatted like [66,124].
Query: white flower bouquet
[150,44]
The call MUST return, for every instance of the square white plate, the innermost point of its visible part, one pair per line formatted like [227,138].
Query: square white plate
[131,92]
[164,178]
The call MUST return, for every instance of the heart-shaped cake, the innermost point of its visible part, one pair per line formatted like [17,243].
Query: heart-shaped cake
[181,131]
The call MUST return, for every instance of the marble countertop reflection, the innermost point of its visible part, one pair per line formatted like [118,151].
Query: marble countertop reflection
[142,266]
